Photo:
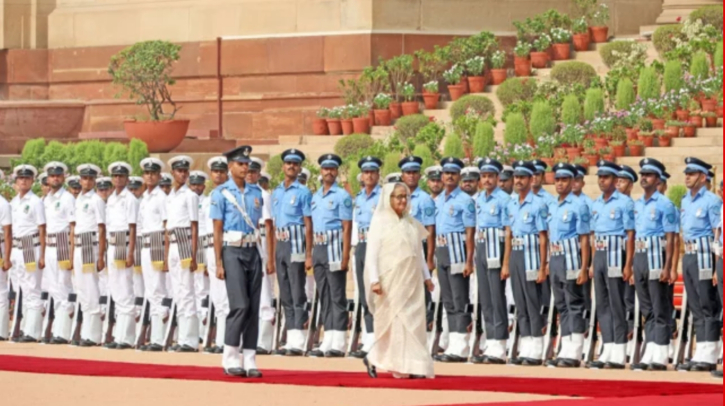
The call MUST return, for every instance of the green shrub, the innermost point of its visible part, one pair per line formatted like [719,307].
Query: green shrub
[516,131]
[408,126]
[483,140]
[593,103]
[32,153]
[676,193]
[137,152]
[574,72]
[607,51]
[274,168]
[353,144]
[673,76]
[114,152]
[625,94]
[649,86]
[709,15]
[54,151]
[424,153]
[543,121]
[516,89]
[664,38]
[453,146]
[571,110]
[700,67]
[718,55]
[390,164]
[431,136]
[483,105]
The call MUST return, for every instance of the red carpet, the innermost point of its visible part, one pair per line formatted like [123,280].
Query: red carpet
[539,386]
[681,400]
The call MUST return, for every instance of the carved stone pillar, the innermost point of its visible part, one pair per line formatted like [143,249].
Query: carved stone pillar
[672,9]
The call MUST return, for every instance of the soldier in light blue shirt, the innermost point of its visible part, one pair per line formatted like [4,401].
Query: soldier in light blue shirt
[364,207]
[569,249]
[491,216]
[537,185]
[332,224]
[613,228]
[236,208]
[577,189]
[292,213]
[700,219]
[626,179]
[455,226]
[525,260]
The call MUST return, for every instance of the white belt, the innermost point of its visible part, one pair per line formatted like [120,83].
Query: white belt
[239,239]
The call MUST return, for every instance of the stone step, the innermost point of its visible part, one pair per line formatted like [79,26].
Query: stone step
[5,161]
[682,152]
[674,161]
[697,142]
[709,132]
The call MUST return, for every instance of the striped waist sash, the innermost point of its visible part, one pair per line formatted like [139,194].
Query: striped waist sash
[613,245]
[207,241]
[137,254]
[529,244]
[155,243]
[200,254]
[88,244]
[362,235]
[295,235]
[238,239]
[492,239]
[333,240]
[653,247]
[119,241]
[28,244]
[456,245]
[182,238]
[702,248]
[571,251]
[61,243]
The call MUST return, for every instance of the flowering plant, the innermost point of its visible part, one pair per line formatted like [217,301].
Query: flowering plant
[602,125]
[335,113]
[408,91]
[454,74]
[600,18]
[560,35]
[580,26]
[545,146]
[431,87]
[572,135]
[323,112]
[498,59]
[542,43]
[521,152]
[522,49]
[476,65]
[382,101]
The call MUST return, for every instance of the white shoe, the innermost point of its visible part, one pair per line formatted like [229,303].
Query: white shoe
[659,355]
[525,344]
[496,349]
[33,323]
[566,348]
[326,344]
[537,348]
[250,359]
[339,341]
[648,353]
[231,358]
[605,356]
[577,346]
[618,354]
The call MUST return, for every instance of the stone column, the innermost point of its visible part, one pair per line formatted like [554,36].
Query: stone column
[673,9]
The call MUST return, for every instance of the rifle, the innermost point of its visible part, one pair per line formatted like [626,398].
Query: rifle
[17,313]
[75,335]
[683,349]
[110,320]
[144,322]
[591,342]
[635,354]
[552,339]
[171,327]
[476,325]
[47,332]
[514,337]
[354,307]
[312,327]
[277,333]
[210,327]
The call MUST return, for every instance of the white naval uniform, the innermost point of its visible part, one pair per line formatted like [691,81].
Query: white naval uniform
[5,220]
[182,208]
[28,214]
[217,287]
[90,213]
[60,208]
[138,285]
[266,308]
[201,279]
[152,211]
[121,213]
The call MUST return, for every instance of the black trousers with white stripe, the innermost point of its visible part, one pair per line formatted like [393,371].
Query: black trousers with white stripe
[331,287]
[702,300]
[291,277]
[243,279]
[528,298]
[360,252]
[653,297]
[610,301]
[568,298]
[492,297]
[454,293]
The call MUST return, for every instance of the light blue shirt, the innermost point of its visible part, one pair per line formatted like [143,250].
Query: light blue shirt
[547,197]
[586,200]
[528,217]
[291,205]
[365,207]
[614,217]
[330,209]
[700,215]
[492,210]
[423,208]
[568,218]
[222,209]
[455,212]
[655,217]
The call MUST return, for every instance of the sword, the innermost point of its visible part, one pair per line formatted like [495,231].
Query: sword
[143,323]
[635,354]
[552,339]
[278,315]
[77,318]
[210,327]
[170,328]
[355,308]
[592,337]
[476,325]
[312,328]
[47,332]
[17,313]
[514,336]
[110,319]
[683,349]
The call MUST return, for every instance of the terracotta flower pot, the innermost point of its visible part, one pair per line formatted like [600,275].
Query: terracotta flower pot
[410,108]
[673,132]
[689,131]
[539,60]
[334,125]
[549,178]
[522,66]
[658,124]
[159,136]
[719,112]
[464,84]
[361,125]
[548,161]
[697,121]
[477,84]
[395,110]
[619,150]
[346,124]
[581,42]
[599,34]
[498,76]
[648,142]
[709,105]
[601,143]
[682,115]
[561,52]
[573,153]
[632,134]
[319,127]
[664,141]
[456,91]
[431,100]
[593,159]
[383,117]
[371,117]
[711,122]
[636,150]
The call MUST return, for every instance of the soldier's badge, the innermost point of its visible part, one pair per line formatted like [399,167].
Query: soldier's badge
[493,209]
[544,213]
[671,218]
[699,213]
[631,215]
[451,211]
[429,212]
[57,206]
[565,217]
[612,214]
[585,217]
[348,203]
[471,208]
[526,215]
[257,203]
[292,202]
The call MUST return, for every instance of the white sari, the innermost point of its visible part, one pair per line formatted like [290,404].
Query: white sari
[395,259]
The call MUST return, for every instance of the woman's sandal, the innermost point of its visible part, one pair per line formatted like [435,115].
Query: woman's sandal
[371,369]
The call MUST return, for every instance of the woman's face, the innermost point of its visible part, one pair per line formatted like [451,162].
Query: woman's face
[399,200]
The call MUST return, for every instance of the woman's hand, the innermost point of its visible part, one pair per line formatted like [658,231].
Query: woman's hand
[377,288]
[429,285]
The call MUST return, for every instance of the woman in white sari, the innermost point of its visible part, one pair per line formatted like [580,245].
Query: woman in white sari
[395,276]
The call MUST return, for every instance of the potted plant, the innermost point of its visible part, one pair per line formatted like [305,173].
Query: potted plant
[562,47]
[540,58]
[549,176]
[673,127]
[591,153]
[383,116]
[719,106]
[663,138]
[477,79]
[580,35]
[346,119]
[522,59]
[689,130]
[636,148]
[573,137]
[696,119]
[545,146]
[431,95]
[581,161]
[683,113]
[498,72]
[400,71]
[600,21]
[710,118]
[143,70]
[333,121]
[453,77]
[410,105]
[361,119]
[319,124]
[647,138]
[607,154]
[618,147]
